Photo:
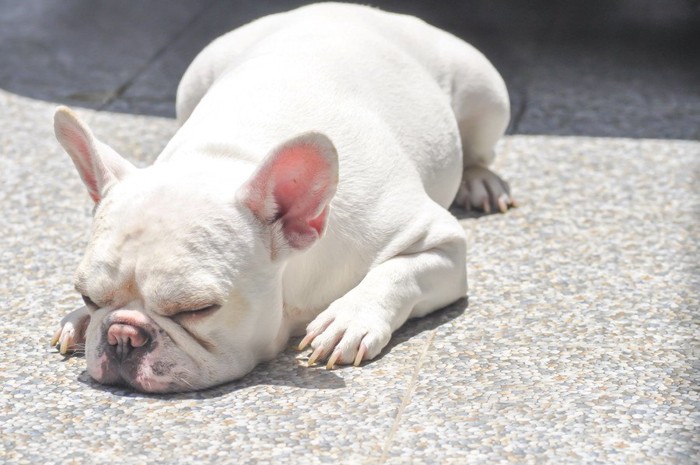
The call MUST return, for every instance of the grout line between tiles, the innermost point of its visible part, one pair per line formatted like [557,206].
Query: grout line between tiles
[406,398]
[119,91]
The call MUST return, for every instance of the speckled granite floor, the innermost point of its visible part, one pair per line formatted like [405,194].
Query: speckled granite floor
[579,344]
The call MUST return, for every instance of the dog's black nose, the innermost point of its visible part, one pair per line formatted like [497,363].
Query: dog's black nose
[125,338]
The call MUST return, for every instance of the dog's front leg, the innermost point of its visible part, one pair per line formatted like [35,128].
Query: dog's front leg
[359,325]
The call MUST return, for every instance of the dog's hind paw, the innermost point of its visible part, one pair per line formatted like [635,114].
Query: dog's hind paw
[343,337]
[70,336]
[483,190]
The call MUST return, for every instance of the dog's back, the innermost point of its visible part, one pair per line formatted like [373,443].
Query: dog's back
[377,83]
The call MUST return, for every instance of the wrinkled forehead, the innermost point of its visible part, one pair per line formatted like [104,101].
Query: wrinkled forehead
[171,241]
[159,269]
[163,224]
[172,195]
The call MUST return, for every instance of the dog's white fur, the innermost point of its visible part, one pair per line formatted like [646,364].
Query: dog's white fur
[305,191]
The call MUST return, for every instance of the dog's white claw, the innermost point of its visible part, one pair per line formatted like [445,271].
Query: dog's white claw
[331,361]
[71,332]
[360,355]
[314,356]
[502,204]
[56,337]
[305,342]
[487,206]
[65,344]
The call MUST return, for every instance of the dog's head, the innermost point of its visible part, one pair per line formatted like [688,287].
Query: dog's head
[182,272]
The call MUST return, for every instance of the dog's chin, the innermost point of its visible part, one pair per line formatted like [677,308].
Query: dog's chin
[144,382]
[160,376]
[155,385]
[145,375]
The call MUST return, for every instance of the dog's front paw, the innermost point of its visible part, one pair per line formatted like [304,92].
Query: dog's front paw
[482,189]
[70,336]
[346,334]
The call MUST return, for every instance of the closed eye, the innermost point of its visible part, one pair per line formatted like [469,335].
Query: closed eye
[195,315]
[89,303]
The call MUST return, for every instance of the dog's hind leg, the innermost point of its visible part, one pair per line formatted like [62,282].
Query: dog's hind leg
[480,102]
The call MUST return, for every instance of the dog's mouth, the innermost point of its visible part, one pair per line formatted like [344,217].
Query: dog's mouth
[141,372]
[139,357]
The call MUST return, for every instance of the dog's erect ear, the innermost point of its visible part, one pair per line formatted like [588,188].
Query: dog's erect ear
[292,189]
[99,165]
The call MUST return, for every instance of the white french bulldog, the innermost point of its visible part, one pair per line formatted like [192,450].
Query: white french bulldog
[307,190]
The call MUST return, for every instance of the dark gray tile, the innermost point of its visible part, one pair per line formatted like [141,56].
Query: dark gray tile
[621,69]
[624,68]
[83,52]
[580,341]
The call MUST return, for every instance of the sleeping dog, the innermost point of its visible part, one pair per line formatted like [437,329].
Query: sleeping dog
[305,194]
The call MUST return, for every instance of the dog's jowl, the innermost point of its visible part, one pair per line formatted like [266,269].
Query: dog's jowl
[304,195]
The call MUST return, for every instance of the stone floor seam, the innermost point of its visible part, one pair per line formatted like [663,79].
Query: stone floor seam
[119,91]
[407,397]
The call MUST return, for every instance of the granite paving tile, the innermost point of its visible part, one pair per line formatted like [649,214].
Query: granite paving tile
[581,339]
[579,343]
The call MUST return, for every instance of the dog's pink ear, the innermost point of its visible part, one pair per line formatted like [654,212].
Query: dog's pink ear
[99,165]
[293,187]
